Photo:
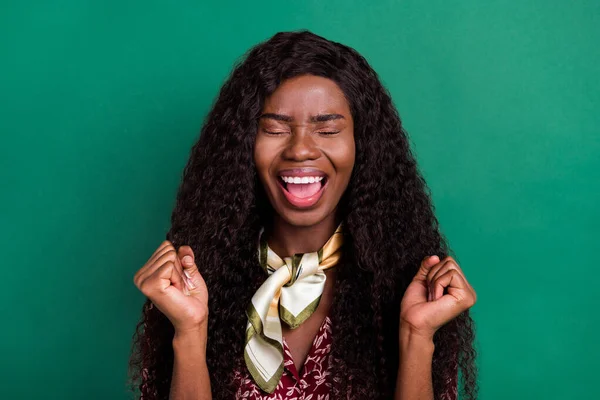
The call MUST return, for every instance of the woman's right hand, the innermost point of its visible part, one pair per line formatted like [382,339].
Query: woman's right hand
[171,280]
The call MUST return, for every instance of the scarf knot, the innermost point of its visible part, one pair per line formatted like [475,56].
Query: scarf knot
[291,293]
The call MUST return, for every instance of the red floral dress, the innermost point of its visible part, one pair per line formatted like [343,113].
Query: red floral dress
[312,384]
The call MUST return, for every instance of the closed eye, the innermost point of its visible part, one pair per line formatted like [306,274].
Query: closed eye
[328,132]
[274,132]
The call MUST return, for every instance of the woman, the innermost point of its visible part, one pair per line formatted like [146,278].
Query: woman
[304,256]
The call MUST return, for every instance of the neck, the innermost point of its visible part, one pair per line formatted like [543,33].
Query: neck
[286,240]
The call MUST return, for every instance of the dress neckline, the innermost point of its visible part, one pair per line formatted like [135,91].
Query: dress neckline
[306,368]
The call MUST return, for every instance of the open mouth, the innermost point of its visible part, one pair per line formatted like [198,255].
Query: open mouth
[303,191]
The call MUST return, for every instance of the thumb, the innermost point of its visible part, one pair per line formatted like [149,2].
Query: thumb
[188,264]
[426,265]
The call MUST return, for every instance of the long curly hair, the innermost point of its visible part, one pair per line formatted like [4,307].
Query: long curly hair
[388,218]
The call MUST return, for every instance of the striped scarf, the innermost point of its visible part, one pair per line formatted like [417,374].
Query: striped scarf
[289,294]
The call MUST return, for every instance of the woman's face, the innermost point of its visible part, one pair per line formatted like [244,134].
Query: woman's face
[304,150]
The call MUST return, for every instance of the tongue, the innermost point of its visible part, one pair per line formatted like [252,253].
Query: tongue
[303,189]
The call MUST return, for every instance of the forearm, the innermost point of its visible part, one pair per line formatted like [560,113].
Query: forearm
[190,379]
[414,380]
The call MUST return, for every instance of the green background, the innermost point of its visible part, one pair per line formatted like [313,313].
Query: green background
[101,100]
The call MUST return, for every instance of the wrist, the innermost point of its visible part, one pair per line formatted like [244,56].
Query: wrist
[413,338]
[191,338]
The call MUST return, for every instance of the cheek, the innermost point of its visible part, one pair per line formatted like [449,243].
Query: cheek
[264,155]
[260,158]
[344,157]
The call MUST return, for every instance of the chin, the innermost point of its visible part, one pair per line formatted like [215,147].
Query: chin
[304,219]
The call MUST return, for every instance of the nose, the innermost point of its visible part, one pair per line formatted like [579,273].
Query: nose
[301,147]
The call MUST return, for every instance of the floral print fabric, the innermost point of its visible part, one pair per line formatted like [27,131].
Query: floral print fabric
[310,383]
[314,383]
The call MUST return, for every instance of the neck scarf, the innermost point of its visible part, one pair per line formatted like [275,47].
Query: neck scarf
[291,294]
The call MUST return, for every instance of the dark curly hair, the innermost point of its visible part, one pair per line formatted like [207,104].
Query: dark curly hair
[389,220]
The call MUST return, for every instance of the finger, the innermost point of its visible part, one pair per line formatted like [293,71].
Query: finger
[169,255]
[443,263]
[426,265]
[453,265]
[180,283]
[164,276]
[453,281]
[162,249]
[160,283]
[162,246]
[190,269]
[160,252]
[455,302]
[450,263]
[193,277]
[439,269]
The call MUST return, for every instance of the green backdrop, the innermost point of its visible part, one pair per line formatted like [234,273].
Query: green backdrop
[101,100]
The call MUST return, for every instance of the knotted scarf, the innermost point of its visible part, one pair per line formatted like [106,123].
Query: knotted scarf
[291,293]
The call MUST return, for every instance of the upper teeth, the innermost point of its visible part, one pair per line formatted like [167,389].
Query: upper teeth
[304,179]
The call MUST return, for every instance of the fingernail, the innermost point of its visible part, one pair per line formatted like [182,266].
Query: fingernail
[189,282]
[187,260]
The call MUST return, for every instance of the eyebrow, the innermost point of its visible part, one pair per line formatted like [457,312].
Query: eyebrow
[314,118]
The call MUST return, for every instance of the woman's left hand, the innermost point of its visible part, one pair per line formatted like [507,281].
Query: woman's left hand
[425,306]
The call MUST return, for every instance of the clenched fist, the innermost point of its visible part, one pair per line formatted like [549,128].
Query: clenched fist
[171,280]
[438,293]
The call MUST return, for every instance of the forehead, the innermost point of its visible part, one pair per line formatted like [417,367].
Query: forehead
[307,95]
